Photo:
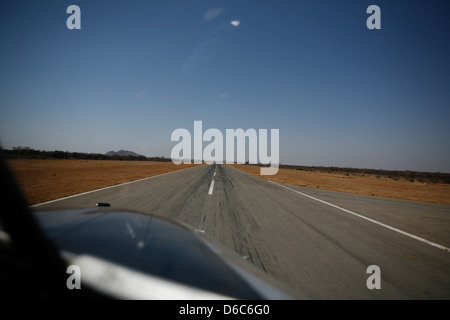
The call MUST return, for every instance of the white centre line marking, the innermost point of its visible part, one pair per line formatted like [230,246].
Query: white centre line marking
[368,219]
[211,188]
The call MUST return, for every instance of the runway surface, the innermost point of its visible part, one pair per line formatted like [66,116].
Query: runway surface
[320,243]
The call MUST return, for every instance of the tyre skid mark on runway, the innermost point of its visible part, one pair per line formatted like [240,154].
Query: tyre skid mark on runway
[332,240]
[244,229]
[184,211]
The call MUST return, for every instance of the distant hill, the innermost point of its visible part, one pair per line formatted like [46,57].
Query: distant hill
[122,153]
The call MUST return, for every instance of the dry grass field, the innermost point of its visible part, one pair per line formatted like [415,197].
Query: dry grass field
[44,180]
[356,183]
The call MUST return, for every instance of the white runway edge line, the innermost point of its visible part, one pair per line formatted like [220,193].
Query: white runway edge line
[105,188]
[368,219]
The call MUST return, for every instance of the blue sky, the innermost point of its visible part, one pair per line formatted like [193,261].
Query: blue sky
[340,94]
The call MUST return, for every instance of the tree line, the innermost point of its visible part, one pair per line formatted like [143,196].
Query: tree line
[29,153]
[422,177]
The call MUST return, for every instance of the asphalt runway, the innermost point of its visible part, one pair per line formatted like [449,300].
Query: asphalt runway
[320,243]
